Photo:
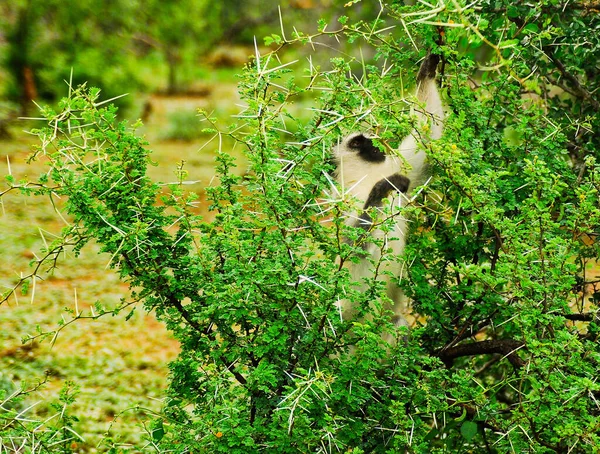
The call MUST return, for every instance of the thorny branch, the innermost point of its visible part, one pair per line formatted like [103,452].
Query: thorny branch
[577,88]
[506,347]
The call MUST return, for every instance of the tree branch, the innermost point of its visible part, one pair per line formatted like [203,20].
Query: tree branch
[584,317]
[174,302]
[506,347]
[579,90]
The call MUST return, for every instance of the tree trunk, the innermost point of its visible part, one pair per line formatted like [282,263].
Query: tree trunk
[19,59]
[172,60]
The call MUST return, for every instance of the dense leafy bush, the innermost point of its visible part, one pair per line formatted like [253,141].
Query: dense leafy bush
[504,353]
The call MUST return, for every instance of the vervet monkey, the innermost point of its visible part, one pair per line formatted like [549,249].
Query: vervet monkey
[376,179]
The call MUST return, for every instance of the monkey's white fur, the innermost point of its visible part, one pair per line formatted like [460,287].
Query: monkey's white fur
[358,176]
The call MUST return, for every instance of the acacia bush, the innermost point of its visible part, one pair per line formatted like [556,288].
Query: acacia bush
[501,262]
[19,432]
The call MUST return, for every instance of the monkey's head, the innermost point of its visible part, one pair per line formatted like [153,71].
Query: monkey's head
[357,147]
[360,165]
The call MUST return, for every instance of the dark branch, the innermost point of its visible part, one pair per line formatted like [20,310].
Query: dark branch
[585,317]
[174,302]
[579,90]
[506,347]
[188,318]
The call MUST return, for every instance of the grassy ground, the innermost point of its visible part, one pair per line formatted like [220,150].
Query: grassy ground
[119,366]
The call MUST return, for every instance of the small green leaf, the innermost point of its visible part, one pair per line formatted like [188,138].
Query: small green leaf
[158,432]
[468,430]
[531,28]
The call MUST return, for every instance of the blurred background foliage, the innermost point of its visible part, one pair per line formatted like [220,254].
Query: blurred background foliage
[137,46]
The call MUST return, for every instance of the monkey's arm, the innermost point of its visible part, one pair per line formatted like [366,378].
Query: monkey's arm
[380,191]
[428,67]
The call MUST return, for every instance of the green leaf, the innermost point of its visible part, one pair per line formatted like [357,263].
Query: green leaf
[468,430]
[158,432]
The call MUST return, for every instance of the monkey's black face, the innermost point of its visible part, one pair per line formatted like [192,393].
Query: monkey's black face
[365,148]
